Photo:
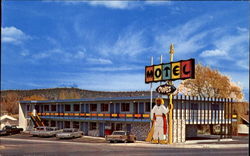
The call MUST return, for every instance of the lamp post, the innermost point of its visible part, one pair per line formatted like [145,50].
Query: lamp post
[170,134]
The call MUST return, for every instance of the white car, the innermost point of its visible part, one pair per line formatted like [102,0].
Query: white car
[69,133]
[37,130]
[49,132]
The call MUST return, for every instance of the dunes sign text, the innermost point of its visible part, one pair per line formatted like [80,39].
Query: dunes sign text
[183,69]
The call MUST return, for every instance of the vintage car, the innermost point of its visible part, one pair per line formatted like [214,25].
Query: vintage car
[120,136]
[49,132]
[69,133]
[8,130]
[36,131]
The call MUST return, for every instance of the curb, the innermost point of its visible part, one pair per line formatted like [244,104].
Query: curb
[205,141]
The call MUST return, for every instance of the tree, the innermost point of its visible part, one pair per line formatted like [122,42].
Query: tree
[210,83]
[9,102]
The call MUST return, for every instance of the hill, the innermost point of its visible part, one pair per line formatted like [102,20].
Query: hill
[10,98]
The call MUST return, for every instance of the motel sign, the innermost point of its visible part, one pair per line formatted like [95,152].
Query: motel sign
[183,69]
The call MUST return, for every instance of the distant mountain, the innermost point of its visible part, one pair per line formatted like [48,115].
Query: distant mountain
[10,98]
[58,93]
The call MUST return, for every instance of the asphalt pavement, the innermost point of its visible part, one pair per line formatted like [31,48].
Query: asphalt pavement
[27,145]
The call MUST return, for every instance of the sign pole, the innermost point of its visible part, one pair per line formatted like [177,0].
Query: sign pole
[151,92]
[170,138]
[161,82]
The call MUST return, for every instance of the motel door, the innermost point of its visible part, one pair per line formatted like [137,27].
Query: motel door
[112,110]
[82,108]
[128,126]
[135,107]
[62,108]
[60,124]
[85,128]
[101,129]
[141,108]
[87,108]
[117,107]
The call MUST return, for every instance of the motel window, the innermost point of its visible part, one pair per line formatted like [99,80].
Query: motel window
[118,127]
[76,124]
[93,107]
[194,106]
[53,107]
[215,107]
[52,123]
[46,107]
[125,107]
[92,126]
[104,107]
[76,107]
[28,107]
[66,124]
[67,108]
[147,106]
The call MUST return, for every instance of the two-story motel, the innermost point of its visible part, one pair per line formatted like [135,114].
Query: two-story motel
[100,116]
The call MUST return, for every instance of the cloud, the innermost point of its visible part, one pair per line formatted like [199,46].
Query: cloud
[241,78]
[13,35]
[111,4]
[79,54]
[48,53]
[116,69]
[129,43]
[187,38]
[108,82]
[119,4]
[155,2]
[243,63]
[58,54]
[25,52]
[99,61]
[233,47]
[230,42]
[216,52]
[240,29]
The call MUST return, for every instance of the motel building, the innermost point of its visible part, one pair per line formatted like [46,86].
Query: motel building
[101,116]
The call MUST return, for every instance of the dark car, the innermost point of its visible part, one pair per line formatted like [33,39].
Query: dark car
[8,130]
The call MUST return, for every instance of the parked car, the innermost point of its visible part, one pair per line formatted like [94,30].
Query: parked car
[8,130]
[49,132]
[36,131]
[120,136]
[69,133]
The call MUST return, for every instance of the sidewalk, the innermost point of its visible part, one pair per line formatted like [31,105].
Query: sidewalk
[223,143]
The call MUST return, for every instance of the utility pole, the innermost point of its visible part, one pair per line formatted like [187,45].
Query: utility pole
[171,106]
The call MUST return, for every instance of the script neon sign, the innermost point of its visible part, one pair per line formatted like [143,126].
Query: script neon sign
[183,69]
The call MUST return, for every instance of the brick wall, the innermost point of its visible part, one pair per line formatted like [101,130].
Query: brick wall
[140,130]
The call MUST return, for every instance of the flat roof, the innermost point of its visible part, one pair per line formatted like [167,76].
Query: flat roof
[125,99]
[93,99]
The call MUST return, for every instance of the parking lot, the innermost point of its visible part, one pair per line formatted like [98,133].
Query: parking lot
[24,144]
[86,139]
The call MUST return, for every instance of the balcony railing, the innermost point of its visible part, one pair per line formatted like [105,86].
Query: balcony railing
[97,116]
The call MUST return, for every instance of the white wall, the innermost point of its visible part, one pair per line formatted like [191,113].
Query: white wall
[243,129]
[22,119]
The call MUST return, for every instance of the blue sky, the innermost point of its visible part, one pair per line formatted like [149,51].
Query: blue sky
[104,45]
